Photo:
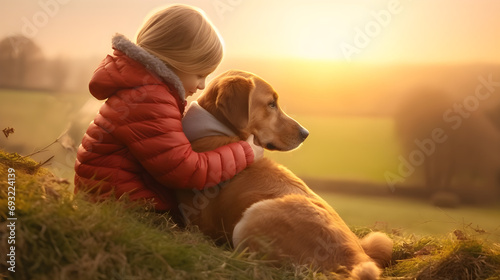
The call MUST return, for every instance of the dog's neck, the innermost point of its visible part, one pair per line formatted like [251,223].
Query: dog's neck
[198,123]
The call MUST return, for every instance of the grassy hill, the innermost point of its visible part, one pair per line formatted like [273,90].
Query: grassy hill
[62,236]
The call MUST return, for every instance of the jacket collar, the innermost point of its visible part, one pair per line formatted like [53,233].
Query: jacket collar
[151,62]
[198,123]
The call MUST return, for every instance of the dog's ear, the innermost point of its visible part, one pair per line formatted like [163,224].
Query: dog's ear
[233,99]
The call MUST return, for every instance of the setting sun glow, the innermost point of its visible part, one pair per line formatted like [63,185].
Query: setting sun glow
[382,31]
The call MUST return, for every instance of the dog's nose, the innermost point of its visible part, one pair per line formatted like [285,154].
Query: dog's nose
[303,133]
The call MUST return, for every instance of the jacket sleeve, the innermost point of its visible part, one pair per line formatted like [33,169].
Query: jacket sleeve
[150,126]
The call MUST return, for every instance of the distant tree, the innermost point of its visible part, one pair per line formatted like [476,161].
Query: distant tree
[18,56]
[494,115]
[418,116]
[466,156]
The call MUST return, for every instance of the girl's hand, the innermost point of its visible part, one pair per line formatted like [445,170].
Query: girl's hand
[258,151]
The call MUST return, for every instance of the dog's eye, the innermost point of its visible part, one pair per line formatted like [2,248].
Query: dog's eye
[272,105]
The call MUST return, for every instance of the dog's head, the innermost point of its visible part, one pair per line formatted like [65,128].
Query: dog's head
[249,105]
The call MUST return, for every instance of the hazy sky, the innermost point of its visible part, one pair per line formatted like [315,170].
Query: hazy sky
[357,30]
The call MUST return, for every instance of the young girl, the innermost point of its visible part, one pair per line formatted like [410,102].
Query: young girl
[135,146]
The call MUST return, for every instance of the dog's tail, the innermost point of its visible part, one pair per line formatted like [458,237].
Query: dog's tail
[365,271]
[378,246]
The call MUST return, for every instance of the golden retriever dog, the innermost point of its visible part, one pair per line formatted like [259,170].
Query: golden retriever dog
[266,208]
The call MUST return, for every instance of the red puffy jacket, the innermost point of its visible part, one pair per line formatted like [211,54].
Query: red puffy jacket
[135,146]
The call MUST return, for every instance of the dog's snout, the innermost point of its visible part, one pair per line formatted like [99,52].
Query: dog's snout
[303,133]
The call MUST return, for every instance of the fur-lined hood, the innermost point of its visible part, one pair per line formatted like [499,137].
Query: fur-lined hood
[119,71]
[151,62]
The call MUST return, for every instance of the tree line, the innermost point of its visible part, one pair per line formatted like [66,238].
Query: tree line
[24,66]
[452,144]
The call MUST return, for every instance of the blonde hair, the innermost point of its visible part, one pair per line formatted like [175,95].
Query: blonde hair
[183,38]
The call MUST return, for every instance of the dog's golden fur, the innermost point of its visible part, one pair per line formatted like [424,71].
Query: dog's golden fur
[266,207]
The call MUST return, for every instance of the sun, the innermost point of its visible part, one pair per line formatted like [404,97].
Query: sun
[319,33]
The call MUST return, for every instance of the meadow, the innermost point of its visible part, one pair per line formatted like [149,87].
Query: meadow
[351,148]
[407,215]
[339,148]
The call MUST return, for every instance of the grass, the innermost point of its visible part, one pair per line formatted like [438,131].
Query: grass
[62,236]
[444,259]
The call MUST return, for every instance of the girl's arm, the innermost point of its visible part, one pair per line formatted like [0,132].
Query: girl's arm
[151,128]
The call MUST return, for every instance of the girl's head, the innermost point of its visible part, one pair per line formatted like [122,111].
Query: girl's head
[183,38]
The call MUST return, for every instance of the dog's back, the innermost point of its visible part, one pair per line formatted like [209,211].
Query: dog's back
[308,232]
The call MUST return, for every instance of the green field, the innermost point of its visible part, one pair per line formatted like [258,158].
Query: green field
[352,148]
[37,117]
[412,216]
[338,148]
